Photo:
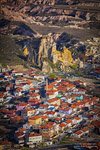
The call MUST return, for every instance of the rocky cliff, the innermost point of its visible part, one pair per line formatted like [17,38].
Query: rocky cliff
[53,52]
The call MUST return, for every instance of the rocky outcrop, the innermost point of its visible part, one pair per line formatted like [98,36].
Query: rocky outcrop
[45,47]
[60,51]
[93,50]
[48,53]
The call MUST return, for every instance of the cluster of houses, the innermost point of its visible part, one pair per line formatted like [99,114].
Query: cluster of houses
[66,108]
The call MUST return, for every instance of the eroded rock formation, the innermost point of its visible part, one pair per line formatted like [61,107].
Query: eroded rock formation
[48,53]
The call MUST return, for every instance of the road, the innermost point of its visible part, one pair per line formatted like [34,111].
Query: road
[56,147]
[81,34]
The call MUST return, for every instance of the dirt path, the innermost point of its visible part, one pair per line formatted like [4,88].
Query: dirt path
[81,34]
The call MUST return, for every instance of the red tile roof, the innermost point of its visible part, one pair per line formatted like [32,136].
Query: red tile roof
[69,121]
[50,112]
[34,117]
[58,119]
[1,95]
[73,105]
[63,124]
[78,132]
[77,118]
[85,129]
[44,105]
[44,117]
[34,134]
[53,100]
[50,92]
[49,125]
[33,94]
[18,134]
[21,130]
[23,104]
[96,123]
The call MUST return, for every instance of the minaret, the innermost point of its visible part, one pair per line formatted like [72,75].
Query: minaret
[46,84]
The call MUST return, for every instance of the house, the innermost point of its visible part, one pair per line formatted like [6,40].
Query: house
[21,106]
[30,112]
[56,128]
[21,130]
[26,87]
[2,76]
[69,99]
[35,120]
[56,106]
[33,138]
[96,123]
[19,137]
[34,101]
[63,125]
[39,77]
[62,88]
[43,107]
[58,119]
[80,104]
[1,98]
[49,87]
[51,114]
[59,80]
[32,89]
[47,130]
[37,90]
[78,82]
[52,93]
[69,123]
[66,111]
[17,73]
[79,97]
[82,91]
[64,104]
[85,130]
[78,134]
[21,141]
[17,119]
[44,118]
[74,107]
[34,95]
[54,101]
[51,107]
[76,120]
[87,102]
[68,85]
[95,99]
[18,91]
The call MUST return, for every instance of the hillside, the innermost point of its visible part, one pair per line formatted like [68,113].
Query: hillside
[82,14]
[66,23]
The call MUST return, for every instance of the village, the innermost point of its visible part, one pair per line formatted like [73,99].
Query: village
[37,111]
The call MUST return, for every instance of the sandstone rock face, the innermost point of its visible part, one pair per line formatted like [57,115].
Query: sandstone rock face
[48,50]
[45,46]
